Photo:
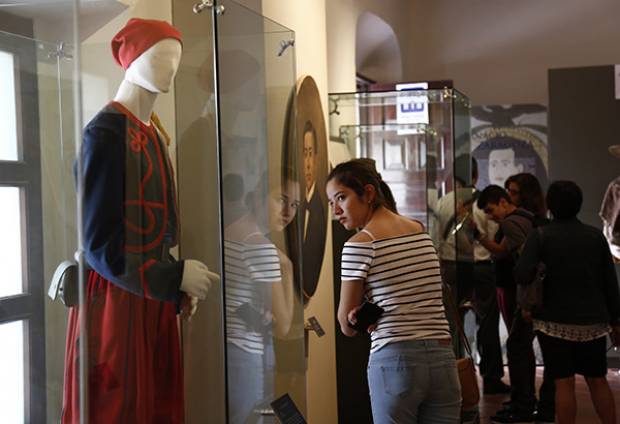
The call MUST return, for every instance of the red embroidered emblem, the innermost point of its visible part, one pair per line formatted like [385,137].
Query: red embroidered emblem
[138,140]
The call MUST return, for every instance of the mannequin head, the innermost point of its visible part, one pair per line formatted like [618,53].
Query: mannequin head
[155,69]
[150,51]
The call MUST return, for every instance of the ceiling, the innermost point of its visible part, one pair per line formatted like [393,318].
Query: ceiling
[59,13]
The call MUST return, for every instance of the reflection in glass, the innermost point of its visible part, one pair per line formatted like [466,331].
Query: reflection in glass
[8,117]
[11,245]
[259,290]
[12,372]
[260,201]
[400,154]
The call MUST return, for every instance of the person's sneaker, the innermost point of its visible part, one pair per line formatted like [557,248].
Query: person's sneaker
[496,388]
[513,417]
[543,417]
[507,408]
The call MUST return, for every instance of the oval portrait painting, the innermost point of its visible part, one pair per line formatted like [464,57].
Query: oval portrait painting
[311,139]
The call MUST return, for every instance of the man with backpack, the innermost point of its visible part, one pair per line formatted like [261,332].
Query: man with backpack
[515,225]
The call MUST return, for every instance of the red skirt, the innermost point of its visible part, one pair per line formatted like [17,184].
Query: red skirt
[135,371]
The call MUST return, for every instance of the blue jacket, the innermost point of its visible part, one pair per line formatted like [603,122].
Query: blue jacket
[129,206]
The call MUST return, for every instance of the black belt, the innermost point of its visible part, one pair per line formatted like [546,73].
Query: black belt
[487,262]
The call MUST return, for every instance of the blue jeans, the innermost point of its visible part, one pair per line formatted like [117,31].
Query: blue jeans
[245,383]
[414,382]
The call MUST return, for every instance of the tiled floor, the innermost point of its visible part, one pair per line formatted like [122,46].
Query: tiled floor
[585,410]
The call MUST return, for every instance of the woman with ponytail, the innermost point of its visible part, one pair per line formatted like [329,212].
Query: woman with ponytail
[393,264]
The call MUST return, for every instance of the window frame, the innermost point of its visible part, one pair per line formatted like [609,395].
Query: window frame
[25,174]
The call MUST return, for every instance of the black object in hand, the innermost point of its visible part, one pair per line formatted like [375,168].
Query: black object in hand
[253,318]
[367,315]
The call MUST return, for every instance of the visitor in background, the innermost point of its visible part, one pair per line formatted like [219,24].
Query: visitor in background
[515,225]
[581,302]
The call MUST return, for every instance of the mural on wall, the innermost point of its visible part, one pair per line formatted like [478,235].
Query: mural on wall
[311,140]
[509,139]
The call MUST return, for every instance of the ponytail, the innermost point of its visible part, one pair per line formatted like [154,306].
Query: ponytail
[357,173]
[389,202]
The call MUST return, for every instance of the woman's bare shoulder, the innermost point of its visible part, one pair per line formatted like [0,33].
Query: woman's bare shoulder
[360,237]
[412,225]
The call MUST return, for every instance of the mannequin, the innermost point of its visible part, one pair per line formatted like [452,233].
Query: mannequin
[134,286]
[610,211]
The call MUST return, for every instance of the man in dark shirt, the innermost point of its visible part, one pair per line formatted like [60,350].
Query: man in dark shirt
[515,225]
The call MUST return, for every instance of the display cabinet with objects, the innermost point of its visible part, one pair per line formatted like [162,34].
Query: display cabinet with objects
[419,139]
[206,171]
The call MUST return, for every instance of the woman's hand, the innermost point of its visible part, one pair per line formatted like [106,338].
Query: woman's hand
[352,318]
[352,315]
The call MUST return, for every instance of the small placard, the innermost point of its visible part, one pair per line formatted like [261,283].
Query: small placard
[617,80]
[286,411]
[314,323]
[411,109]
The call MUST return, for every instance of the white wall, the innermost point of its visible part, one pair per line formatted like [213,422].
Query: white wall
[499,51]
[342,18]
[495,51]
[307,19]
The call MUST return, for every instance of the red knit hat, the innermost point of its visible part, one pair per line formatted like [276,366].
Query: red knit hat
[137,36]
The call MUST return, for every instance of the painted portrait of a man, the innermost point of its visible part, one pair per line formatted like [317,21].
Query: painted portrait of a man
[313,213]
[507,140]
[310,155]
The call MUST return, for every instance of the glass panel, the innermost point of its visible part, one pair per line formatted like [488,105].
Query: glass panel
[11,248]
[435,155]
[57,116]
[8,102]
[12,372]
[399,151]
[200,209]
[463,173]
[261,195]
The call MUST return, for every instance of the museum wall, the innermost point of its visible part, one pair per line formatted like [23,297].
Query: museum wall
[342,21]
[498,52]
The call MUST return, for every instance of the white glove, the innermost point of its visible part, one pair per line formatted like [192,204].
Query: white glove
[197,279]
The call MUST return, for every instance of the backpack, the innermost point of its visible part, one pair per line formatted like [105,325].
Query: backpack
[504,267]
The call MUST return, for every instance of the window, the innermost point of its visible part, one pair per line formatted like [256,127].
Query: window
[8,109]
[22,329]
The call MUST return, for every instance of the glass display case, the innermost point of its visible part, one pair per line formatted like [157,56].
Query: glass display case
[420,142]
[239,192]
[221,154]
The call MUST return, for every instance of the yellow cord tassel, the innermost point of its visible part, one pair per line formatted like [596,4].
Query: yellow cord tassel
[160,128]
